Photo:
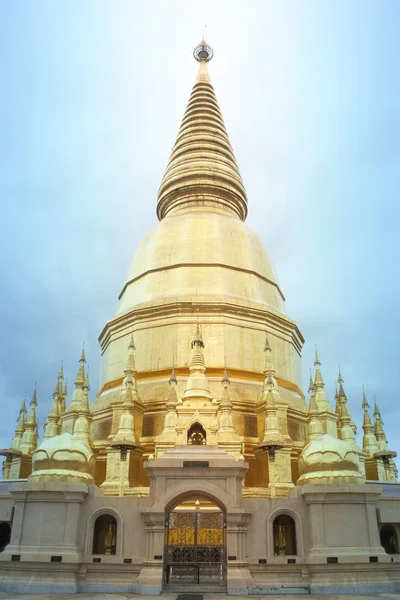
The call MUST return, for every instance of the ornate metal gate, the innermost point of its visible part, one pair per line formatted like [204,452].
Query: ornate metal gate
[195,548]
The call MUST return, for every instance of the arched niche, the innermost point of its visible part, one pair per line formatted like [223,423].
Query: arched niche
[196,435]
[389,539]
[105,535]
[284,535]
[5,535]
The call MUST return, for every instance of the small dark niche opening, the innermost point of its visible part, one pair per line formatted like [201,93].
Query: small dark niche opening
[97,560]
[332,559]
[56,559]
[15,557]
[127,561]
[262,561]
[158,557]
[291,561]
[231,557]
[373,559]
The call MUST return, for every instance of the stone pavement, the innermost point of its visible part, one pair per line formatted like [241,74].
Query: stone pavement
[95,596]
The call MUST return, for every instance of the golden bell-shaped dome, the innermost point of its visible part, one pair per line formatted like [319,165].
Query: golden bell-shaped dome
[328,460]
[63,458]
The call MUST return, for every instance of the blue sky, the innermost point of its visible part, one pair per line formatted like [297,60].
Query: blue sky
[92,97]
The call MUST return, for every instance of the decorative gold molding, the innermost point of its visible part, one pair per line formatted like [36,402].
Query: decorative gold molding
[212,372]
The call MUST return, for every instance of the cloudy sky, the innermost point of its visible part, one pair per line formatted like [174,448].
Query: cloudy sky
[92,97]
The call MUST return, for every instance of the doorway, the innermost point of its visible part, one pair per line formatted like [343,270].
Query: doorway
[195,553]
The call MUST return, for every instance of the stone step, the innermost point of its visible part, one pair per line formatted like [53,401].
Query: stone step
[261,590]
[194,588]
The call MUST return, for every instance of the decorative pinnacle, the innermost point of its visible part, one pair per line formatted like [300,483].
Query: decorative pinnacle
[377,412]
[203,52]
[225,380]
[364,402]
[34,398]
[269,382]
[131,343]
[340,378]
[316,360]
[173,380]
[311,387]
[198,340]
[80,377]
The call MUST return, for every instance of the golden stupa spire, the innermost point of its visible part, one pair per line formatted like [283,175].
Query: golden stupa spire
[347,433]
[384,452]
[125,438]
[320,396]
[29,438]
[318,381]
[314,424]
[52,425]
[202,170]
[272,439]
[79,383]
[61,395]
[171,417]
[378,428]
[197,384]
[269,371]
[370,444]
[81,429]
[20,428]
[129,384]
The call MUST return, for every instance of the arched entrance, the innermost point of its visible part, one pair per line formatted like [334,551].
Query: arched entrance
[389,539]
[195,545]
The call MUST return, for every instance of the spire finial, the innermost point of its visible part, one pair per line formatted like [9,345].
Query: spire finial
[173,380]
[225,380]
[364,401]
[318,381]
[198,340]
[203,52]
[131,343]
[316,360]
[311,387]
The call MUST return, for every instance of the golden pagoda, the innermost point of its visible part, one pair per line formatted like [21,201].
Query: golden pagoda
[200,465]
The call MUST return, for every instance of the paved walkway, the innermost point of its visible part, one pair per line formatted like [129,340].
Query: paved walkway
[88,596]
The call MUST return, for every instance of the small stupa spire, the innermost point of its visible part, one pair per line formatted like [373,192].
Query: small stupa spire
[171,418]
[346,425]
[320,396]
[370,444]
[269,367]
[125,438]
[79,383]
[272,439]
[226,428]
[129,384]
[384,452]
[225,381]
[197,384]
[62,398]
[311,387]
[29,438]
[20,428]
[52,425]
[318,381]
[314,424]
